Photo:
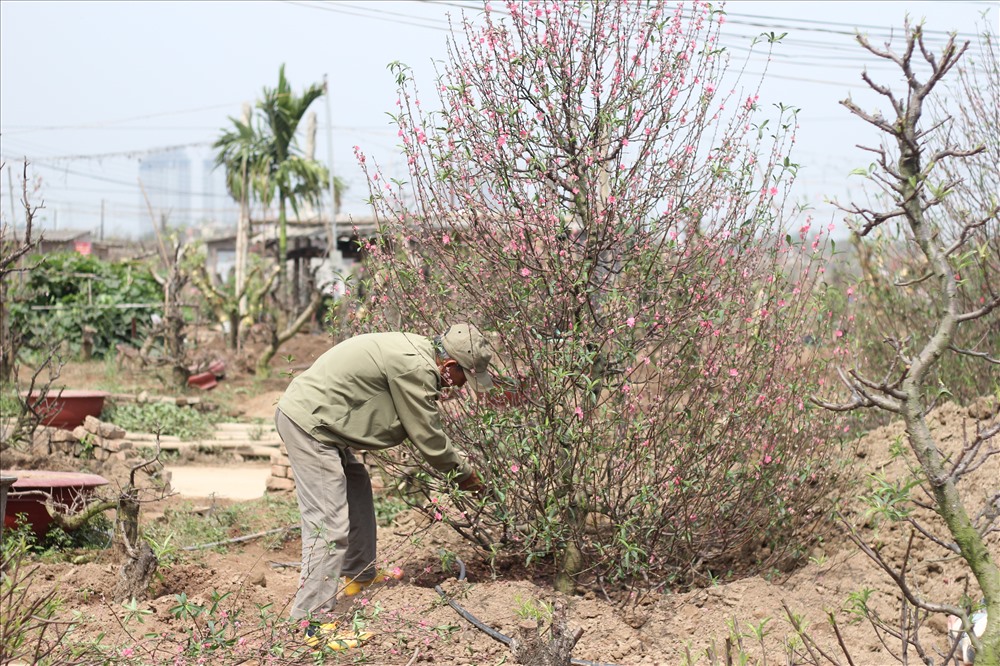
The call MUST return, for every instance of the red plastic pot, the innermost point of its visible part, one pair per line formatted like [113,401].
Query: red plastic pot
[32,489]
[67,408]
[203,380]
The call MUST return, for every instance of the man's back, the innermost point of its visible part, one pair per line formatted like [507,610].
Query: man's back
[367,391]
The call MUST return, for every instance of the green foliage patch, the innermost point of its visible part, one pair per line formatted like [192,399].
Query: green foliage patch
[162,417]
[68,292]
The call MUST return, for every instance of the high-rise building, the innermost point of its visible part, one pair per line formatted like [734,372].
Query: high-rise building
[166,177]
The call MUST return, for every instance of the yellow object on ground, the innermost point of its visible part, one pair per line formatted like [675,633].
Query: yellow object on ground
[326,634]
[346,641]
[318,634]
[355,587]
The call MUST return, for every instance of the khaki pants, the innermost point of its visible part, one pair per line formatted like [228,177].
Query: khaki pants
[338,517]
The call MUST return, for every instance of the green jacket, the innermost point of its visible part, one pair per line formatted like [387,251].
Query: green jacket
[372,392]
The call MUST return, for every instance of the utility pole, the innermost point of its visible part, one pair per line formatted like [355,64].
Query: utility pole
[13,214]
[335,256]
[102,219]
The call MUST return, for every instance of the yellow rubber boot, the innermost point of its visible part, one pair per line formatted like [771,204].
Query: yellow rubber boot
[355,587]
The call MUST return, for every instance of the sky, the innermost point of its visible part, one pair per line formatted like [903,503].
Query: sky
[93,93]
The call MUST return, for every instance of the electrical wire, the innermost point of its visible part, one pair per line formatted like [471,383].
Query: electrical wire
[104,123]
[337,10]
[149,188]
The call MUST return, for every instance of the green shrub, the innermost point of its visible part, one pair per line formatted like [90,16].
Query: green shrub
[78,291]
[162,417]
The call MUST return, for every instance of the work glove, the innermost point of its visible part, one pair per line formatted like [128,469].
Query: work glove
[472,484]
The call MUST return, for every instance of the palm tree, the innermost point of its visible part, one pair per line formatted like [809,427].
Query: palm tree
[262,159]
[283,168]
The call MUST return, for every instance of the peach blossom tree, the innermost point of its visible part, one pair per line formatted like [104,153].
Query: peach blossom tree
[594,186]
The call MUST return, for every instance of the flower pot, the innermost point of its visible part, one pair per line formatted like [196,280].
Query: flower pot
[5,483]
[32,488]
[66,408]
[203,380]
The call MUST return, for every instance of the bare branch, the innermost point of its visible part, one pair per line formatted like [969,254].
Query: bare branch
[881,388]
[947,545]
[875,119]
[857,402]
[899,578]
[981,312]
[910,283]
[967,230]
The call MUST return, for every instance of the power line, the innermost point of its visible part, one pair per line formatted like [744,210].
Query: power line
[776,22]
[130,154]
[338,10]
[150,188]
[104,123]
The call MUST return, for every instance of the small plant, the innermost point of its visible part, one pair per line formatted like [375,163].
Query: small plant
[387,507]
[163,549]
[256,433]
[529,609]
[133,612]
[818,560]
[888,501]
[857,604]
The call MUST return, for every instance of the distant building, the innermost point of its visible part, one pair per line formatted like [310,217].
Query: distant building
[216,204]
[166,177]
[65,240]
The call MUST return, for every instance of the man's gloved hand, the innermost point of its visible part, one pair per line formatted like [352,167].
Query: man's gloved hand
[471,484]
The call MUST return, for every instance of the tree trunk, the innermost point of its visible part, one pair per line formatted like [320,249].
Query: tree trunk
[135,575]
[283,290]
[138,562]
[530,647]
[280,338]
[570,565]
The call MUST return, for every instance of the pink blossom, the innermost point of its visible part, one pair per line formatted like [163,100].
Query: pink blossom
[128,652]
[630,322]
[733,372]
[767,460]
[515,468]
[437,515]
[525,272]
[578,412]
[838,334]
[446,239]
